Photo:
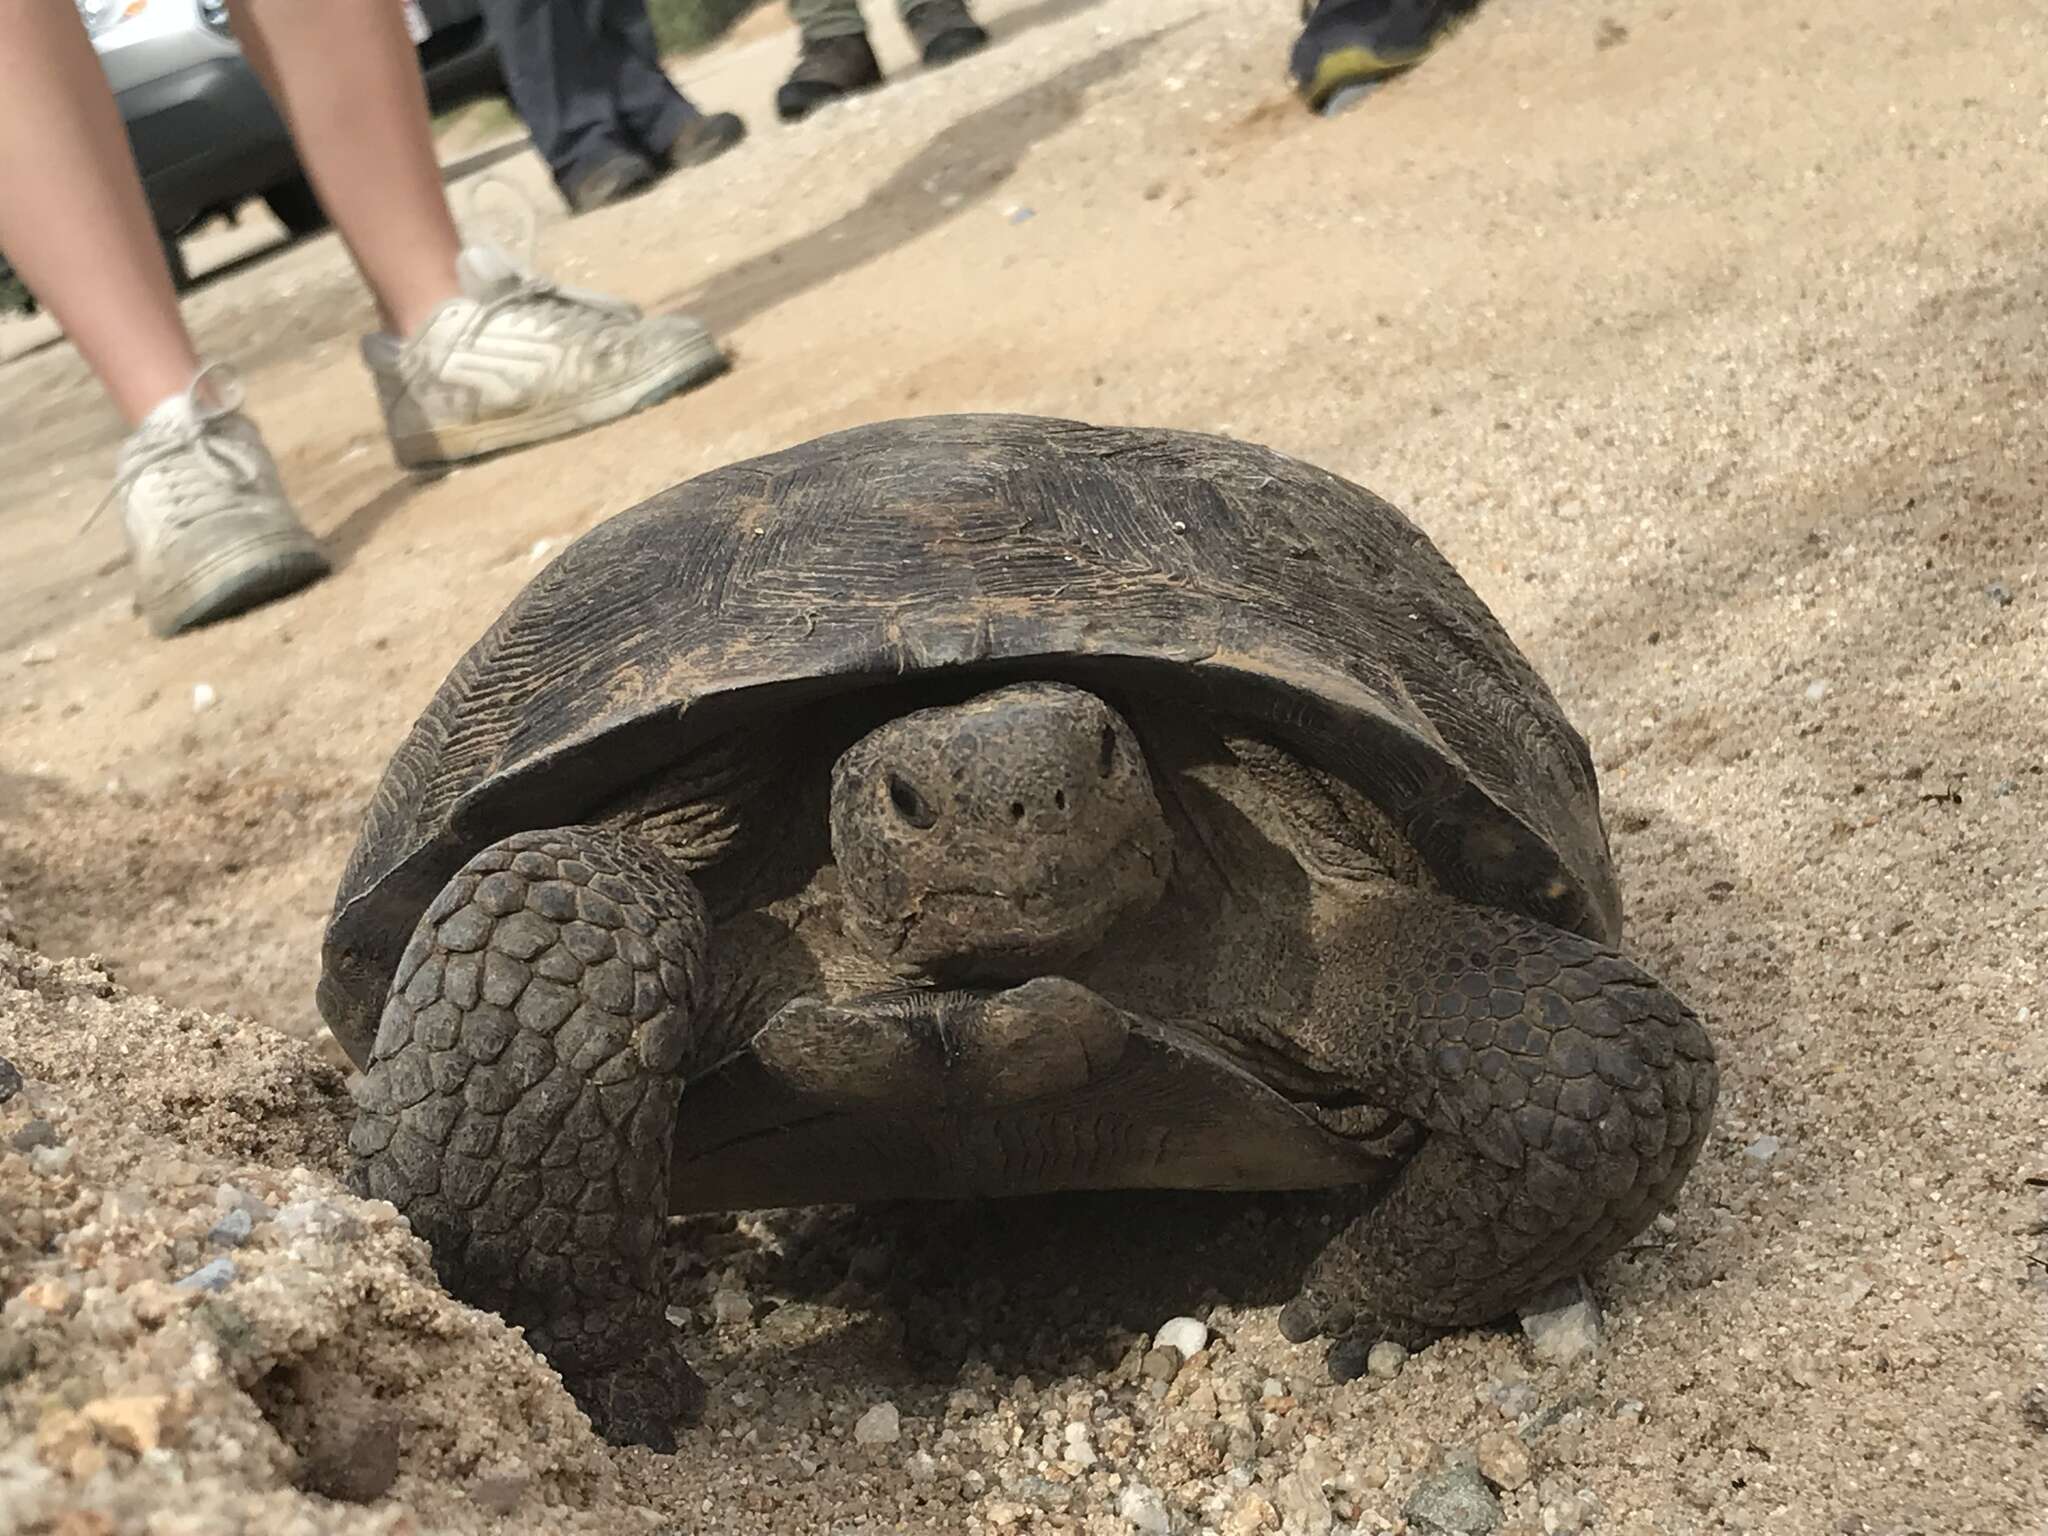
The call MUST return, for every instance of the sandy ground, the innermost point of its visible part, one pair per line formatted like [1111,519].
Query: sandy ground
[1710,342]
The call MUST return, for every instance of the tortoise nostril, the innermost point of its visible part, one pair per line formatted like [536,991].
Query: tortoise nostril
[1016,810]
[909,804]
[1059,799]
[1106,752]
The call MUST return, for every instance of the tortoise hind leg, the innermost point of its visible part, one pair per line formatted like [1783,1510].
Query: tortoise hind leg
[1565,1094]
[520,1098]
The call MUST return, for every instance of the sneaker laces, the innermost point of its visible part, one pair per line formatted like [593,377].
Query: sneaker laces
[190,433]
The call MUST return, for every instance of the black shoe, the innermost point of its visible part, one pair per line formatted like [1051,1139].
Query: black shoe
[1347,44]
[705,138]
[613,179]
[944,31]
[826,70]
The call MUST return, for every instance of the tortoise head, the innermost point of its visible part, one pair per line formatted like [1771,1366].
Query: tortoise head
[989,840]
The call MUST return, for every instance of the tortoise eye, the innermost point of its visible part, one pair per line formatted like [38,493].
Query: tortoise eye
[909,804]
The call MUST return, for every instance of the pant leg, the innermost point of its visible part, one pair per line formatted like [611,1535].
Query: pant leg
[561,81]
[650,108]
[820,19]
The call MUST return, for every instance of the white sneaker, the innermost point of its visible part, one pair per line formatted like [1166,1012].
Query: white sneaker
[518,359]
[206,517]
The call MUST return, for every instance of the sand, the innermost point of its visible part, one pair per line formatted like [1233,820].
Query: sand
[1709,342]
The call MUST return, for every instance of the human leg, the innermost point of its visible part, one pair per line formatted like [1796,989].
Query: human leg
[663,121]
[347,82]
[73,219]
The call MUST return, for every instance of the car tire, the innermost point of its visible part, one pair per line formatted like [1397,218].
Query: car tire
[297,209]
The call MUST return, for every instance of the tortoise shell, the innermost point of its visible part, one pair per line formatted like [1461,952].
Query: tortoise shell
[1172,564]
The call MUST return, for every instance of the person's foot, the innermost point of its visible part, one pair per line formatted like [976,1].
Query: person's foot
[206,517]
[827,69]
[518,360]
[611,180]
[705,138]
[944,31]
[1349,44]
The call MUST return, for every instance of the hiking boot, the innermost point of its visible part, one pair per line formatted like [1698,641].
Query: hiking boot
[615,179]
[705,138]
[518,360]
[944,31]
[827,69]
[205,515]
[1349,44]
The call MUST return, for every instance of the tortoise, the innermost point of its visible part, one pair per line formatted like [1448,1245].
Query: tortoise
[978,805]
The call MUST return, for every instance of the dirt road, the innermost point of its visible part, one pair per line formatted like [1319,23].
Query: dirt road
[1710,343]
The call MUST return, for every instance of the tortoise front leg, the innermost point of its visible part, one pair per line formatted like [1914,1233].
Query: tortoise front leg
[1565,1095]
[520,1098]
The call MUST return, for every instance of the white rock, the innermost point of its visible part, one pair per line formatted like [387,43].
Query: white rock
[1763,1149]
[920,1468]
[41,654]
[1143,1510]
[1079,1451]
[203,698]
[1186,1334]
[1563,1324]
[731,1309]
[1385,1360]
[1304,1511]
[880,1425]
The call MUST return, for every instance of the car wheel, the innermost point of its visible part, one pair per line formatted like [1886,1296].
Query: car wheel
[297,209]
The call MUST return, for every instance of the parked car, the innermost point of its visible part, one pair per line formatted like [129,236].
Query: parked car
[205,135]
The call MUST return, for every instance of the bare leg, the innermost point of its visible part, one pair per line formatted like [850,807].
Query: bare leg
[346,79]
[73,219]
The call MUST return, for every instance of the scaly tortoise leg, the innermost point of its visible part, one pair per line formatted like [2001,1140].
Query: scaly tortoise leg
[1565,1094]
[520,1097]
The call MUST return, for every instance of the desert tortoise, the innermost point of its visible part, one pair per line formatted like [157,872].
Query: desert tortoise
[975,805]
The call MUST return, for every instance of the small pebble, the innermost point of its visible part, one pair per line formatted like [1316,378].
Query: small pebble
[1516,1399]
[1763,1149]
[1079,1451]
[232,1230]
[1999,593]
[1304,1508]
[10,1080]
[2034,1408]
[1161,1363]
[42,653]
[37,1133]
[1569,1516]
[1143,1510]
[214,1275]
[1186,1334]
[880,1425]
[1629,1410]
[48,1162]
[1817,690]
[1563,1324]
[203,698]
[1503,1460]
[920,1468]
[1385,1360]
[1453,1502]
[731,1309]
[498,1495]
